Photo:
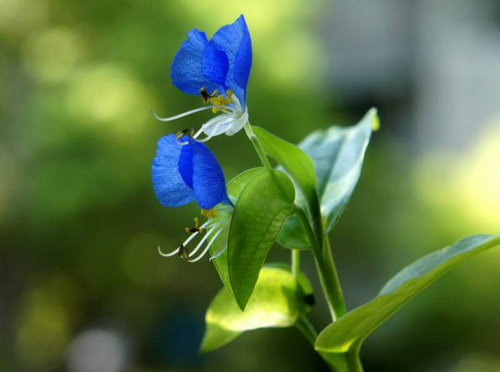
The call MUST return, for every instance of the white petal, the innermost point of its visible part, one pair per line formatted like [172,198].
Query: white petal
[238,123]
[217,125]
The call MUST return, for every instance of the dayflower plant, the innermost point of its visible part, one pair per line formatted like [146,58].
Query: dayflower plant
[296,208]
[218,70]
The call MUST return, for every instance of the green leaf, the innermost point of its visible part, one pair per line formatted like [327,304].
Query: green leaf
[293,234]
[295,161]
[277,301]
[300,166]
[348,332]
[338,154]
[262,207]
[234,188]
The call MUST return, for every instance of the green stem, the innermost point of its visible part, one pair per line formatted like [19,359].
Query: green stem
[257,146]
[330,280]
[338,362]
[306,328]
[295,263]
[326,268]
[344,362]
[348,362]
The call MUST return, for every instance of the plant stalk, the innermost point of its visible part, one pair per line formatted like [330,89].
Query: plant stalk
[257,146]
[344,362]
[306,328]
[338,362]
[327,271]
[295,263]
[330,282]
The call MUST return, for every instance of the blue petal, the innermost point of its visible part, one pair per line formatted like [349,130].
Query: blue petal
[186,163]
[170,188]
[187,71]
[207,179]
[215,65]
[235,41]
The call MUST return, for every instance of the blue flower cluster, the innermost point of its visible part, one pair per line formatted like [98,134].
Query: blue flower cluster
[184,169]
[189,171]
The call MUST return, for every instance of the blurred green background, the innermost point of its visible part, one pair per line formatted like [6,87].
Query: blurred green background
[82,287]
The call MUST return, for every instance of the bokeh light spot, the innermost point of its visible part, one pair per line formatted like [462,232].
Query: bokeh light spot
[52,55]
[44,322]
[97,350]
[20,16]
[110,98]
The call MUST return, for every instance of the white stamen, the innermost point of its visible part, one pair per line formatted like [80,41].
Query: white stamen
[170,254]
[187,113]
[197,134]
[200,131]
[206,139]
[207,247]
[207,235]
[192,236]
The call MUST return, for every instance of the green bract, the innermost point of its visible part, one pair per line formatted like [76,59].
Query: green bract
[277,301]
[261,209]
[234,188]
[296,162]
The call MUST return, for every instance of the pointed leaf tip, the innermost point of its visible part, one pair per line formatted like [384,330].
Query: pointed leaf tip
[352,329]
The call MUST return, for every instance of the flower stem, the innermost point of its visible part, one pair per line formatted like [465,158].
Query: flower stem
[295,263]
[306,328]
[344,362]
[257,146]
[330,281]
[338,362]
[327,271]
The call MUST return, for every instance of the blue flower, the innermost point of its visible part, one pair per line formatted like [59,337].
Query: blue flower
[218,69]
[185,170]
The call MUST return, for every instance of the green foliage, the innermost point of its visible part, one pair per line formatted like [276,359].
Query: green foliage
[277,301]
[326,165]
[296,162]
[338,155]
[301,168]
[262,207]
[234,188]
[293,234]
[347,333]
[75,188]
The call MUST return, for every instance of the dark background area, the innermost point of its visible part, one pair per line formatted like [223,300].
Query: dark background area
[82,287]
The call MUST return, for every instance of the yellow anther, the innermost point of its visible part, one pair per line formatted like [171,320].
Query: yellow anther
[197,225]
[220,100]
[183,252]
[209,213]
[206,96]
[195,228]
[184,132]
